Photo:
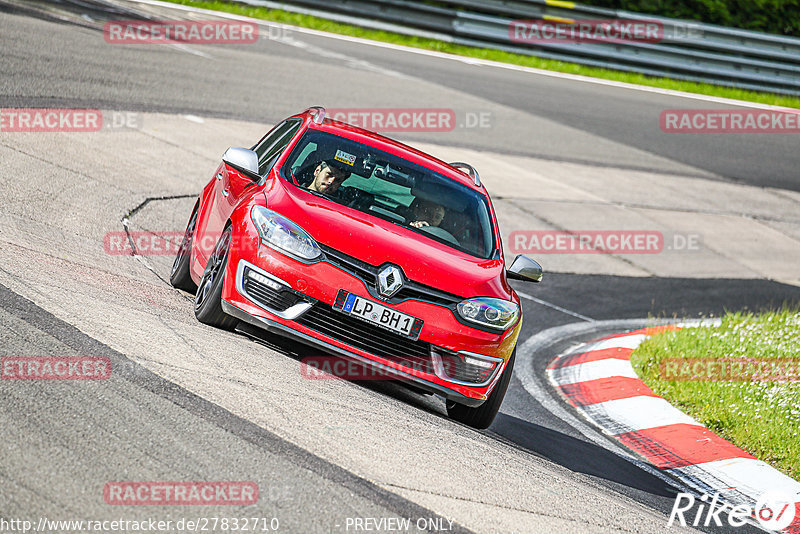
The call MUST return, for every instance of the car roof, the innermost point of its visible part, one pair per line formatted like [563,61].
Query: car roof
[396,148]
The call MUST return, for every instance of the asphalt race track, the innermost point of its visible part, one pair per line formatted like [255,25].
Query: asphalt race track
[187,402]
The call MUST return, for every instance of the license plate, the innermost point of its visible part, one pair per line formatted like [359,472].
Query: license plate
[378,314]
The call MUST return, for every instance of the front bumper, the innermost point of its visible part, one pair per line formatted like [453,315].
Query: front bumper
[307,290]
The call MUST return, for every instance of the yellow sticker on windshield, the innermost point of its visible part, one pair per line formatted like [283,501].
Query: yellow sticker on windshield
[344,157]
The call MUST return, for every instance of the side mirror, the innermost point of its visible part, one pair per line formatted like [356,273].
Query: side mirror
[243,160]
[526,269]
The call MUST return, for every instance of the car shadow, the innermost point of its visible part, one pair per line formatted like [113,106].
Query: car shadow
[397,389]
[577,455]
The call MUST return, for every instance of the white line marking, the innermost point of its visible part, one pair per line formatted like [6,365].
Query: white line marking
[558,308]
[348,60]
[477,62]
[184,48]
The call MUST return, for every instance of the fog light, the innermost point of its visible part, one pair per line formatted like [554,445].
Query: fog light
[478,363]
[260,278]
[464,367]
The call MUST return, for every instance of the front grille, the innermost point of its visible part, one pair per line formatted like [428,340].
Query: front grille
[456,368]
[352,265]
[267,297]
[369,274]
[416,291]
[369,338]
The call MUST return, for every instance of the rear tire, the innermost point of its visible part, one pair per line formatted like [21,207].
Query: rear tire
[179,276]
[208,300]
[482,416]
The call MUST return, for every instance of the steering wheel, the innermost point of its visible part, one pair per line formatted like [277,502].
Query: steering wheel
[441,233]
[354,197]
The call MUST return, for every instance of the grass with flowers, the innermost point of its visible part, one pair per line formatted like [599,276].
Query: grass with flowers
[759,416]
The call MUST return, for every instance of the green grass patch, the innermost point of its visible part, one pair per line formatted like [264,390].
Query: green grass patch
[759,416]
[318,23]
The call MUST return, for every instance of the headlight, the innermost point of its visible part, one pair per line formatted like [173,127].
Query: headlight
[280,233]
[488,311]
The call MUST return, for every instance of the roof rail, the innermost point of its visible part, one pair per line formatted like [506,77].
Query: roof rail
[319,114]
[469,169]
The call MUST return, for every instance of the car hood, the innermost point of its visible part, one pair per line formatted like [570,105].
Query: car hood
[376,242]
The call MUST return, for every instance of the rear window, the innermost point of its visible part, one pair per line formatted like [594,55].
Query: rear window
[393,189]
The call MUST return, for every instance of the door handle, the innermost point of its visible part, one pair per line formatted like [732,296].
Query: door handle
[225,192]
[219,175]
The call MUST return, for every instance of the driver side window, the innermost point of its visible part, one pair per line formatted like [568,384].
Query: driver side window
[273,143]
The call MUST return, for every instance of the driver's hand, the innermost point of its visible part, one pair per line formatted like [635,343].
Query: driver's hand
[419,224]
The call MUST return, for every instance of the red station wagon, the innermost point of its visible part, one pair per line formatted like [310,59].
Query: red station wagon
[365,247]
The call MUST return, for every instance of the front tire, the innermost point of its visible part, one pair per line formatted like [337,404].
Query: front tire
[482,416]
[208,300]
[179,276]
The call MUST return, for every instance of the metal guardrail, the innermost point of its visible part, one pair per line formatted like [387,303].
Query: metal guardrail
[688,50]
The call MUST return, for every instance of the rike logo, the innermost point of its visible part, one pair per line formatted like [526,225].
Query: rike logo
[773,510]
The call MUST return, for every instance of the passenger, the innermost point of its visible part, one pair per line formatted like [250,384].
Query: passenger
[426,213]
[328,178]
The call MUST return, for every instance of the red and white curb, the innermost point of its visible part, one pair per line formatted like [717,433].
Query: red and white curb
[599,381]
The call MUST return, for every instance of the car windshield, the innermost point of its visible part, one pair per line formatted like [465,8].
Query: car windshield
[393,189]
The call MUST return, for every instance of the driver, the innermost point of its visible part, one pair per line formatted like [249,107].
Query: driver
[328,178]
[426,213]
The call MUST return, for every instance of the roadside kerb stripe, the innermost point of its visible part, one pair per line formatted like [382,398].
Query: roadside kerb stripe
[697,445]
[593,355]
[619,342]
[604,390]
[593,370]
[635,414]
[599,381]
